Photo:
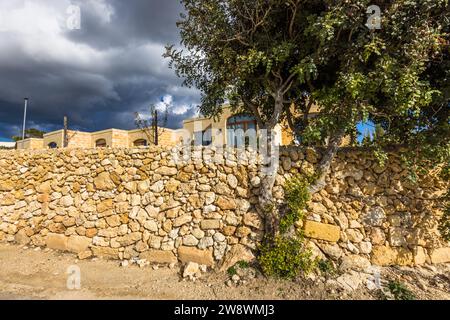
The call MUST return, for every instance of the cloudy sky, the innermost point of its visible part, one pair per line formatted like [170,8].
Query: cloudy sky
[98,75]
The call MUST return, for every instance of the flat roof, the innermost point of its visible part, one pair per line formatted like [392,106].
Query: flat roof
[98,132]
[7,144]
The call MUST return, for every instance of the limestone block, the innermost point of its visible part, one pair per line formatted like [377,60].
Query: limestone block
[441,255]
[210,224]
[78,244]
[189,254]
[56,241]
[322,231]
[158,256]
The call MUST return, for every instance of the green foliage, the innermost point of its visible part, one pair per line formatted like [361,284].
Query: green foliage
[326,267]
[232,271]
[261,54]
[296,195]
[243,264]
[31,133]
[381,157]
[284,257]
[240,264]
[275,59]
[400,291]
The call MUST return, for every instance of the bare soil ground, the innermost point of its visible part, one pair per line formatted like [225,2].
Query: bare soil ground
[32,273]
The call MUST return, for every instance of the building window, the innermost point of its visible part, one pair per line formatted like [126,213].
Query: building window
[140,143]
[100,143]
[241,129]
[203,138]
[52,145]
[207,136]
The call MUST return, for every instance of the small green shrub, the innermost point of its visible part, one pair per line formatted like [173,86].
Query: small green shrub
[284,257]
[381,157]
[240,264]
[399,291]
[243,264]
[326,267]
[231,271]
[296,197]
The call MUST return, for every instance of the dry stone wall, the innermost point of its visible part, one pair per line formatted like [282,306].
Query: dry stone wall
[130,203]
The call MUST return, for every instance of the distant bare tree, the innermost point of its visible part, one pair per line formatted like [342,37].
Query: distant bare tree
[154,126]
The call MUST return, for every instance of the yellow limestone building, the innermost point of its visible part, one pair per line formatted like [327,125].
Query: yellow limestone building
[227,130]
[110,138]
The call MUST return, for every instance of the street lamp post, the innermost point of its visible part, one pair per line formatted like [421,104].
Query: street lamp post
[24,118]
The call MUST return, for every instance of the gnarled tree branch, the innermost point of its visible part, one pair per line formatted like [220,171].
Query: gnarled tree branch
[325,163]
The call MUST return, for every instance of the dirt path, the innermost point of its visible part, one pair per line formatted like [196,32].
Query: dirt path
[32,273]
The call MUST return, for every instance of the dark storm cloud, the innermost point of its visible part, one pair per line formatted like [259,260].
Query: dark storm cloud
[133,21]
[99,75]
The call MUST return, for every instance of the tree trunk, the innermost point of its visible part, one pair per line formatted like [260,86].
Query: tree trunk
[268,174]
[324,165]
[268,205]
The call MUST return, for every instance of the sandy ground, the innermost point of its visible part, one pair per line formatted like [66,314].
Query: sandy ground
[30,273]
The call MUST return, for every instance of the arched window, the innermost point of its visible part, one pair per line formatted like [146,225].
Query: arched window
[241,129]
[140,143]
[100,143]
[52,145]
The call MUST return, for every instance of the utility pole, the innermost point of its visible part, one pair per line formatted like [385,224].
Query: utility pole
[156,127]
[24,118]
[66,137]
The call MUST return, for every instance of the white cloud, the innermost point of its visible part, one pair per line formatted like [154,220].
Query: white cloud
[31,17]
[181,109]
[173,107]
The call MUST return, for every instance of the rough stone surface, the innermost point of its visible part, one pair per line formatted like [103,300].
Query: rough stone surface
[441,255]
[383,256]
[78,244]
[190,269]
[354,262]
[126,203]
[103,182]
[56,241]
[386,256]
[189,254]
[210,224]
[322,231]
[237,253]
[159,256]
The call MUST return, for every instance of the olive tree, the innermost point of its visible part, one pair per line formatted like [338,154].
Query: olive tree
[276,59]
